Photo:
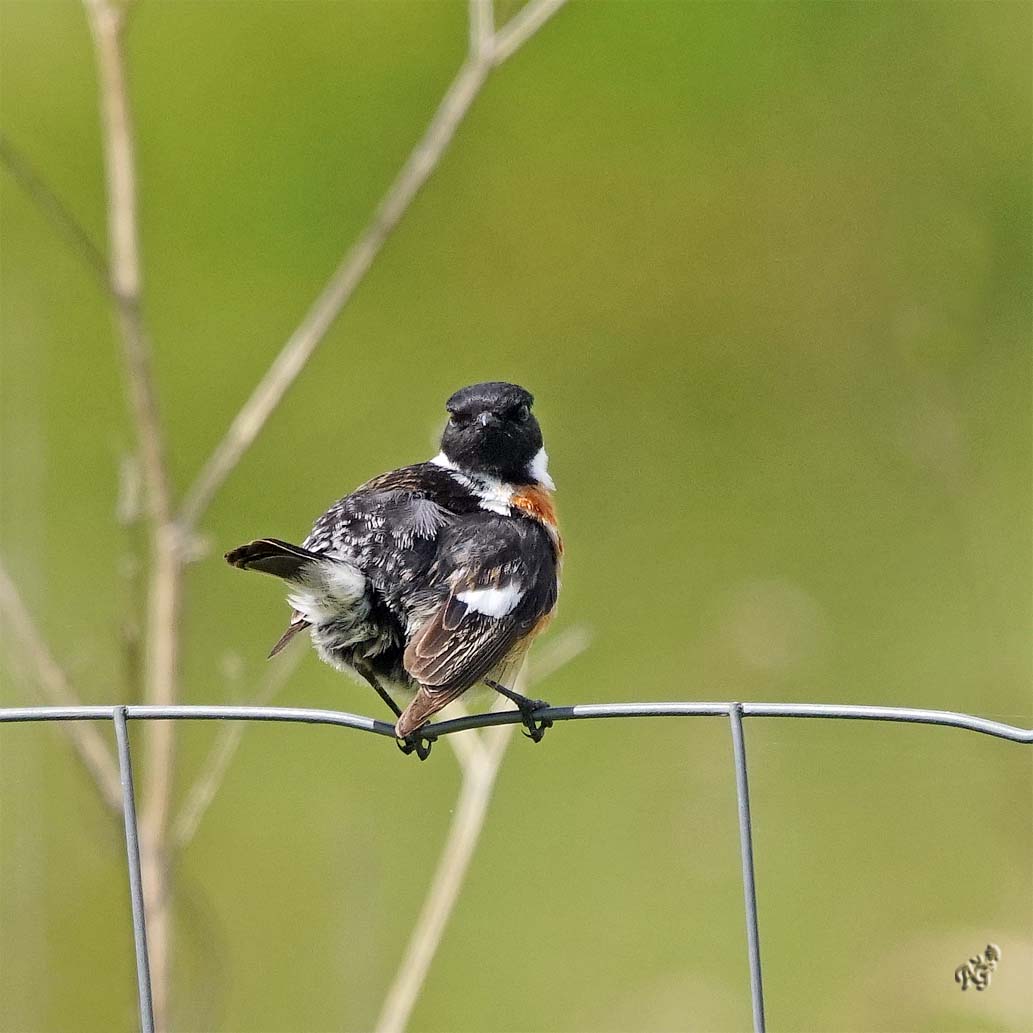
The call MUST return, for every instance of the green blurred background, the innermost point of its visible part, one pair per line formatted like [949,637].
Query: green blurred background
[767,269]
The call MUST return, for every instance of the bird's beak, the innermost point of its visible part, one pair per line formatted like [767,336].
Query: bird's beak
[488,418]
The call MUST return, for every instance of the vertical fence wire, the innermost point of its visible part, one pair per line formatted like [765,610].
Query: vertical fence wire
[735,712]
[143,968]
[749,888]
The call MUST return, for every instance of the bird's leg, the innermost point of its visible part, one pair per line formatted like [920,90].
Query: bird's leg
[535,728]
[415,743]
[381,691]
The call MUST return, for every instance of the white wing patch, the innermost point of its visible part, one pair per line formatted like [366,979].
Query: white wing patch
[492,602]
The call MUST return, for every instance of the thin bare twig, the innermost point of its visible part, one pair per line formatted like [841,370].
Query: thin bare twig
[47,201]
[521,27]
[482,27]
[463,835]
[217,763]
[485,53]
[107,24]
[107,20]
[480,769]
[56,689]
[469,749]
[555,655]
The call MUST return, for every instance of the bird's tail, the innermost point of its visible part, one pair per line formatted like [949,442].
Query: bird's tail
[271,556]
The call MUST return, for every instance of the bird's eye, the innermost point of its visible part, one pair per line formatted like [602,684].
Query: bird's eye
[460,419]
[522,414]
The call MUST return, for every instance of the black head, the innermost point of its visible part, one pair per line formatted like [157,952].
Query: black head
[493,432]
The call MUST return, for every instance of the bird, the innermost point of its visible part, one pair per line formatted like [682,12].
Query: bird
[433,578]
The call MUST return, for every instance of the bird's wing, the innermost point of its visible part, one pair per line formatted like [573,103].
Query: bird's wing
[402,509]
[390,528]
[490,607]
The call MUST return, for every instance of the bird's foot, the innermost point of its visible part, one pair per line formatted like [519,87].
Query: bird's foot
[415,743]
[527,707]
[535,726]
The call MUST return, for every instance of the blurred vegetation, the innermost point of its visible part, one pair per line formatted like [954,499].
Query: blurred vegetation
[767,269]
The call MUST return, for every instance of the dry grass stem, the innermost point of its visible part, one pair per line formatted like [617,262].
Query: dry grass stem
[56,690]
[480,756]
[107,22]
[54,209]
[227,740]
[167,531]
[521,27]
[471,809]
[486,51]
[482,27]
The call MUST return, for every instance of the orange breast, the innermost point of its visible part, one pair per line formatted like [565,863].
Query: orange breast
[536,502]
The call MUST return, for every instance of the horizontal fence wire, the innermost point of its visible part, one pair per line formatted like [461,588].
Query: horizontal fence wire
[120,715]
[585,711]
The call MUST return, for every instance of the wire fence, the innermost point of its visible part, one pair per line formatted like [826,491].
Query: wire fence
[120,716]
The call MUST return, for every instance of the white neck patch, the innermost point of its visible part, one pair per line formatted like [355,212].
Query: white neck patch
[492,494]
[538,468]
